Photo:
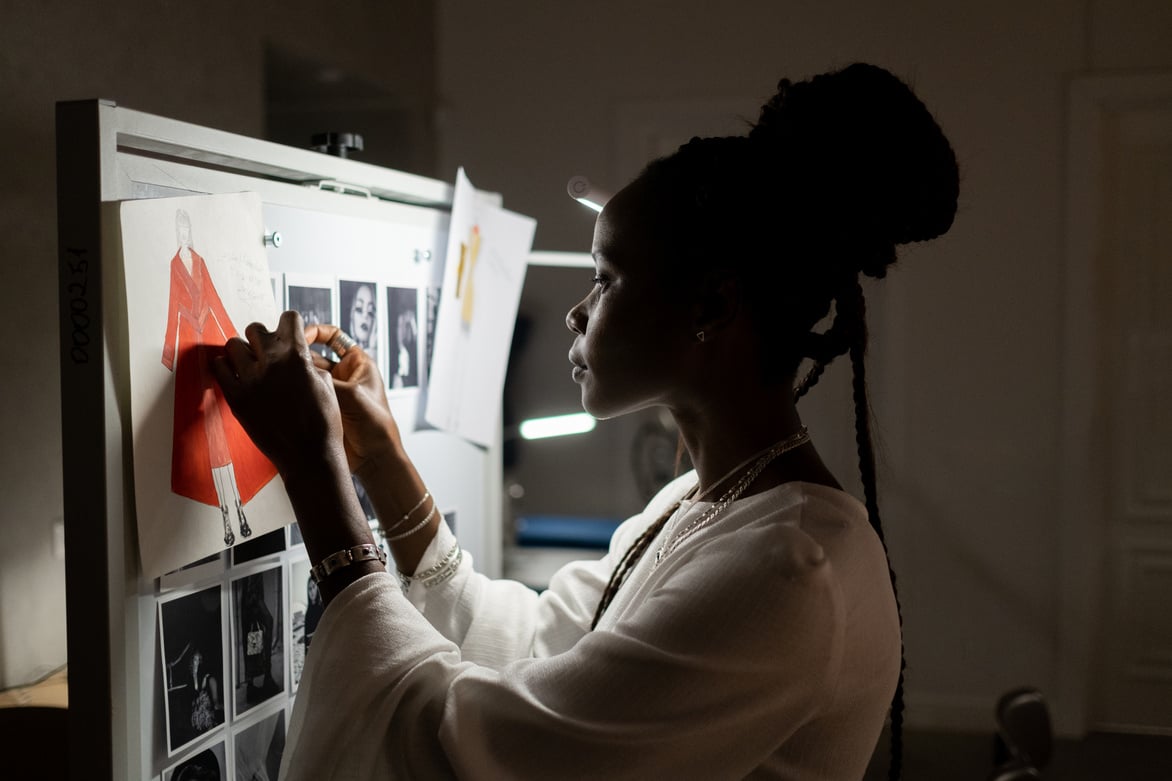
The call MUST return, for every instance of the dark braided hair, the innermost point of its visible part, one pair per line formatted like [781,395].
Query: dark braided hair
[837,172]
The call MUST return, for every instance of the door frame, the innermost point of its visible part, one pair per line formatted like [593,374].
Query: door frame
[1084,436]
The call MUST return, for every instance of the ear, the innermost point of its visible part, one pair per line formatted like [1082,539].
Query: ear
[718,302]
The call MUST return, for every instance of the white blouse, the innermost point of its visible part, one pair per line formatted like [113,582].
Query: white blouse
[766,645]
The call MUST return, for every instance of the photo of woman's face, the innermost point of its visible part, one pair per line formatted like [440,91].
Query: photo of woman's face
[362,316]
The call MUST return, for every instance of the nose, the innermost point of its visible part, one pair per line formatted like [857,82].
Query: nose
[576,318]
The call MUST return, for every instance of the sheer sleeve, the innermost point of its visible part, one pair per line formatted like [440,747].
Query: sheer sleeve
[494,622]
[733,648]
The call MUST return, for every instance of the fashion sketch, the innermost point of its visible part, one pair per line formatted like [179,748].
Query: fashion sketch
[212,460]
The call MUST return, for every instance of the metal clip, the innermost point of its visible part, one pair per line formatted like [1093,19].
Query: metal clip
[341,187]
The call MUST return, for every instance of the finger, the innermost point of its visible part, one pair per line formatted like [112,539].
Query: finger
[226,376]
[321,333]
[320,361]
[257,336]
[239,357]
[292,328]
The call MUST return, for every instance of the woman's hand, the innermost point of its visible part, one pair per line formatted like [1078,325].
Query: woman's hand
[369,430]
[284,402]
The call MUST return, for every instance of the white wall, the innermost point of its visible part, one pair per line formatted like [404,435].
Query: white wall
[966,375]
[201,62]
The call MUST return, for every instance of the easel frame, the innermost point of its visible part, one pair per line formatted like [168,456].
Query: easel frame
[106,154]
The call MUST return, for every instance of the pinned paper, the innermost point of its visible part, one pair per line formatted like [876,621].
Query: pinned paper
[484,269]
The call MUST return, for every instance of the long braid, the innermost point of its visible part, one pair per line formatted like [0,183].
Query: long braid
[628,562]
[810,379]
[870,494]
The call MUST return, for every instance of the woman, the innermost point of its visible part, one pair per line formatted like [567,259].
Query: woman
[744,624]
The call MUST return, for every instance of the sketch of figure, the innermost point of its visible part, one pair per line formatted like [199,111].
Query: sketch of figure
[360,314]
[212,460]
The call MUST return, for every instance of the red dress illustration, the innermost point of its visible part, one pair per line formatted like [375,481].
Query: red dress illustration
[212,460]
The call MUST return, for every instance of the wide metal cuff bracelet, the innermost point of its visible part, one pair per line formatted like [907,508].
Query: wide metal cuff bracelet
[344,558]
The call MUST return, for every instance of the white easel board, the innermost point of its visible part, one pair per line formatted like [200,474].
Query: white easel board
[379,226]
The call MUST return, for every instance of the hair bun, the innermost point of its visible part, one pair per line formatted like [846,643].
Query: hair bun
[860,148]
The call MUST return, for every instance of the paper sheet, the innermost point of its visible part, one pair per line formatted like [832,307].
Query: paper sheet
[484,269]
[196,273]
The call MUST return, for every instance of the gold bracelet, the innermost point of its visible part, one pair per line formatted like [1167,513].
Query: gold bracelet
[407,514]
[416,527]
[344,558]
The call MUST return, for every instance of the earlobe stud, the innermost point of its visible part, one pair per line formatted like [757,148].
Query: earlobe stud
[699,336]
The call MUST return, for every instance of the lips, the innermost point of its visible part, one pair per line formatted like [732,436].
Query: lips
[578,369]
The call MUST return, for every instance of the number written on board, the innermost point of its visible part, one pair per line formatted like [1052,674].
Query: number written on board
[77,290]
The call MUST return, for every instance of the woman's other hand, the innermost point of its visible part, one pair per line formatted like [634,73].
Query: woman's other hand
[284,402]
[369,430]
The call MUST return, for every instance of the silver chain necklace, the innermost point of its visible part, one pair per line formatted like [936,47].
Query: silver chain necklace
[671,542]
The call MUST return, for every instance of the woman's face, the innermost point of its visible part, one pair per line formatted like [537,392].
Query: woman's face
[362,315]
[632,328]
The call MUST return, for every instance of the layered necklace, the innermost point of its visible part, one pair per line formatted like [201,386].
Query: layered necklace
[759,460]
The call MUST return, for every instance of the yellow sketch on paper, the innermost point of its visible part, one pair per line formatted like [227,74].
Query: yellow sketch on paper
[465,292]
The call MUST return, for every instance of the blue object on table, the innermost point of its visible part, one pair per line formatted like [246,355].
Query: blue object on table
[564,531]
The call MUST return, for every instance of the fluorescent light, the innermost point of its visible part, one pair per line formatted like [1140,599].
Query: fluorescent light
[556,426]
[582,191]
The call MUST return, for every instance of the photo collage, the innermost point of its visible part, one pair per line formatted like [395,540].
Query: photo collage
[235,628]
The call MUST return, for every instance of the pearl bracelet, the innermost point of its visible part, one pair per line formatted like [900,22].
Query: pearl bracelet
[344,558]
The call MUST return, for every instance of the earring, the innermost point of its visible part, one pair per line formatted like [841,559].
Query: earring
[700,336]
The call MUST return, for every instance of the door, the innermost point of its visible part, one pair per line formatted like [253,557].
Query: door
[1133,688]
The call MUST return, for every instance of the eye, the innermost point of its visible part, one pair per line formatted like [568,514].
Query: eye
[600,281]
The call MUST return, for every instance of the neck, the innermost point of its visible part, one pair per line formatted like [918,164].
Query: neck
[722,434]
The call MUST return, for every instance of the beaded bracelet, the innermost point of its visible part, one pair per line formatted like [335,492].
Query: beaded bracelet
[344,558]
[440,573]
[414,528]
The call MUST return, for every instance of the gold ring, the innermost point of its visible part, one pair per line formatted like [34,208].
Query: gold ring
[342,343]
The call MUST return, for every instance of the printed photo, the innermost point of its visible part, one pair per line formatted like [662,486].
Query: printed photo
[259,748]
[192,638]
[258,652]
[305,608]
[402,369]
[358,310]
[314,302]
[207,765]
[264,545]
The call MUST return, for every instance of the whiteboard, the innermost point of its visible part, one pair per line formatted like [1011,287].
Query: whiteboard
[323,207]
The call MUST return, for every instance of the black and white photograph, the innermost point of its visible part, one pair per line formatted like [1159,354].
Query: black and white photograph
[259,747]
[403,337]
[202,570]
[314,302]
[207,765]
[265,545]
[258,638]
[305,610]
[363,498]
[192,637]
[358,310]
